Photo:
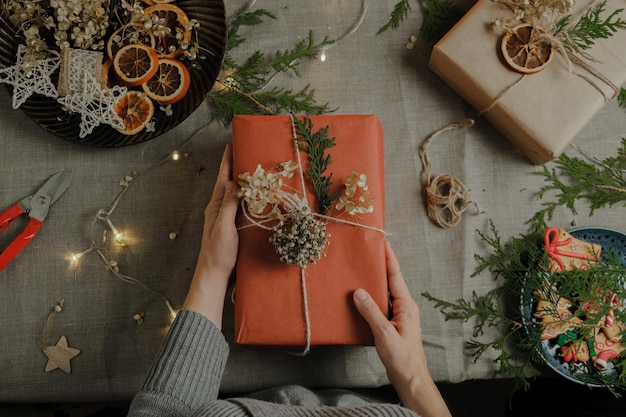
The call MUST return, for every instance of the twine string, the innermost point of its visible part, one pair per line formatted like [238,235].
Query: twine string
[46,329]
[571,58]
[446,197]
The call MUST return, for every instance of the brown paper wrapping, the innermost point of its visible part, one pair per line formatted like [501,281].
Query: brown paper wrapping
[269,302]
[542,113]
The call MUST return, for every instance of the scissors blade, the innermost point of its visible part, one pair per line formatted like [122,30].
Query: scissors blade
[48,194]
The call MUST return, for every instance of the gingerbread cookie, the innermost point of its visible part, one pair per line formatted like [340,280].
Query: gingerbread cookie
[556,318]
[567,253]
[604,349]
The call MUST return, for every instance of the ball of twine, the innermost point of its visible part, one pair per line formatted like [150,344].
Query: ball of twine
[446,197]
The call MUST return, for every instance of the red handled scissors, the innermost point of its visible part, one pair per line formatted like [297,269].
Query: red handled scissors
[36,206]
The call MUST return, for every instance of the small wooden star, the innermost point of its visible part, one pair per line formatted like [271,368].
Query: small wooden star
[60,355]
[95,104]
[26,80]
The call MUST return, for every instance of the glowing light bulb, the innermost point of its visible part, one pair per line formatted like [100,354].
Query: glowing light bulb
[76,257]
[323,56]
[117,235]
[175,156]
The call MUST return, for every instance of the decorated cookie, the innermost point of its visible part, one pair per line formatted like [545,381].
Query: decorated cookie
[556,318]
[567,253]
[604,349]
[575,351]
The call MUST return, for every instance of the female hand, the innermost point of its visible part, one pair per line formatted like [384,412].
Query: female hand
[218,248]
[399,343]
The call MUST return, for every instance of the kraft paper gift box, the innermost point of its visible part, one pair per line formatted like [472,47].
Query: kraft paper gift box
[273,298]
[539,113]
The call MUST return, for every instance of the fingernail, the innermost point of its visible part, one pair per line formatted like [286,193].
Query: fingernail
[360,294]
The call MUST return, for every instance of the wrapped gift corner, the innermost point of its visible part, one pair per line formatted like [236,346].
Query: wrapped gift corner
[269,298]
[540,113]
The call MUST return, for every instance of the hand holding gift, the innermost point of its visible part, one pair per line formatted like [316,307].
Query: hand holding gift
[399,343]
[218,249]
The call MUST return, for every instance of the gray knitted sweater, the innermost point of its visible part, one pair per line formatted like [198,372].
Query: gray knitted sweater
[184,380]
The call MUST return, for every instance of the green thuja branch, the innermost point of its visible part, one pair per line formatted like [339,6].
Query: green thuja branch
[316,144]
[244,18]
[241,88]
[290,59]
[621,97]
[489,311]
[439,17]
[601,183]
[592,26]
[398,15]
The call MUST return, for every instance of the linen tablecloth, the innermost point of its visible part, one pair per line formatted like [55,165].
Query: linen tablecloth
[364,73]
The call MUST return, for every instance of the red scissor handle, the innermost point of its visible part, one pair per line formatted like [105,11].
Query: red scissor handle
[22,240]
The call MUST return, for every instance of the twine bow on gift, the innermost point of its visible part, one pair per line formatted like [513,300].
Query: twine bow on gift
[557,35]
[295,209]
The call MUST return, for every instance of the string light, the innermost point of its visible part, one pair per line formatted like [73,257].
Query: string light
[350,30]
[104,216]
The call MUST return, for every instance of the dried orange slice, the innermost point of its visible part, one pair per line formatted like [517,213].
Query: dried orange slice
[170,83]
[135,64]
[135,109]
[525,49]
[126,35]
[176,31]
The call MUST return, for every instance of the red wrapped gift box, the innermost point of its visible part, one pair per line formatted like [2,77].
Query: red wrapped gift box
[273,298]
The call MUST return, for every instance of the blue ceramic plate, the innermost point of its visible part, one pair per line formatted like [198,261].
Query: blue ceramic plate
[612,241]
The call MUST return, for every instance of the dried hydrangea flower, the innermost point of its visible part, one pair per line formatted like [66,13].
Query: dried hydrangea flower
[261,190]
[300,238]
[356,198]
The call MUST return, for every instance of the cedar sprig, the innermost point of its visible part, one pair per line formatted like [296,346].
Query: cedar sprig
[621,97]
[439,17]
[592,26]
[601,183]
[398,15]
[290,59]
[241,87]
[517,353]
[315,145]
[300,101]
[244,17]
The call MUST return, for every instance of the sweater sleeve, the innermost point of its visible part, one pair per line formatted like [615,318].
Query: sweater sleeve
[187,370]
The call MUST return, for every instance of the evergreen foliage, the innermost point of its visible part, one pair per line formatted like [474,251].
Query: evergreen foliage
[244,85]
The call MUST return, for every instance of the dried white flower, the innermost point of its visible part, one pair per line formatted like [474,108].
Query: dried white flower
[356,198]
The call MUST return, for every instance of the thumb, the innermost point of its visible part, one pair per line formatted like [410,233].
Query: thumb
[369,310]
